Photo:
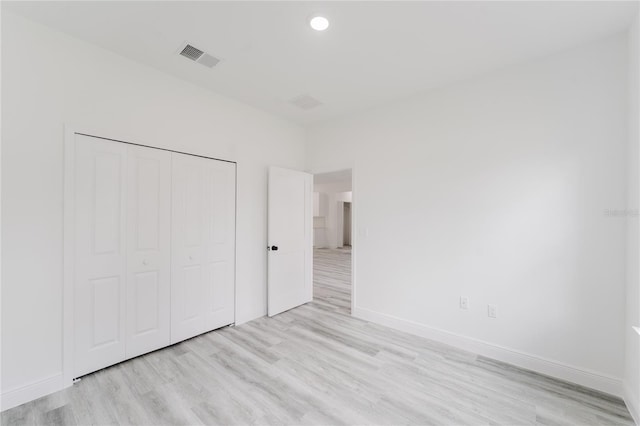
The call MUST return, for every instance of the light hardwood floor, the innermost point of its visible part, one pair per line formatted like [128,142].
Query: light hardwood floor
[317,365]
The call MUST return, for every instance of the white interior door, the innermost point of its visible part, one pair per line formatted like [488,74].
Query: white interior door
[148,249]
[290,250]
[100,250]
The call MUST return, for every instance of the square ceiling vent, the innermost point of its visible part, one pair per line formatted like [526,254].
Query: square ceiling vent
[196,55]
[305,102]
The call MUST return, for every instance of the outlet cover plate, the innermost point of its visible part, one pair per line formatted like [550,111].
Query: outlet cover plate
[464,302]
[492,311]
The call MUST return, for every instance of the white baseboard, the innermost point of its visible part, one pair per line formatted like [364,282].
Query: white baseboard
[633,404]
[590,379]
[34,390]
[601,382]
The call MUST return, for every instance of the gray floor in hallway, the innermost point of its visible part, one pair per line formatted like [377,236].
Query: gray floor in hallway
[317,365]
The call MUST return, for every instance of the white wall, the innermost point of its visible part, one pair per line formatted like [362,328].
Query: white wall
[503,181]
[49,79]
[335,192]
[632,339]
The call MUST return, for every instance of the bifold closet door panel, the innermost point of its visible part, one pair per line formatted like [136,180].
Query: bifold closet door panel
[154,242]
[202,245]
[148,250]
[100,253]
[219,268]
[188,246]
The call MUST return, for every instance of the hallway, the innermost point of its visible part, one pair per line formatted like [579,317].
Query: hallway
[332,279]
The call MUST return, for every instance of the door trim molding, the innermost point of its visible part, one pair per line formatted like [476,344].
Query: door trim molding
[354,238]
[68,255]
[154,147]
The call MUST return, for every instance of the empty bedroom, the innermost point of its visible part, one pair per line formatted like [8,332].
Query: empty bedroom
[320,212]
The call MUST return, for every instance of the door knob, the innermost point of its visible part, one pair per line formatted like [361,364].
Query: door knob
[190,257]
[144,262]
[274,248]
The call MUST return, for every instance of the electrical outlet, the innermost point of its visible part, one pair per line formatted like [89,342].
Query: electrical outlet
[464,302]
[492,311]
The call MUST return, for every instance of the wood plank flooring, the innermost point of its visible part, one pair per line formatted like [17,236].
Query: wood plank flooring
[316,365]
[332,280]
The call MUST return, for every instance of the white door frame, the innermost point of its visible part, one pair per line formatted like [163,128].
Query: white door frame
[340,224]
[68,259]
[68,256]
[354,238]
[354,234]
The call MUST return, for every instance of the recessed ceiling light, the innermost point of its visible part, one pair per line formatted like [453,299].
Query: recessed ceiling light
[319,23]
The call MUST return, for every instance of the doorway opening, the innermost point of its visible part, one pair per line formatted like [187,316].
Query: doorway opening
[333,241]
[346,229]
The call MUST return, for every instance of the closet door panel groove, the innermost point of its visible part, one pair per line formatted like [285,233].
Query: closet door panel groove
[189,213]
[220,231]
[148,250]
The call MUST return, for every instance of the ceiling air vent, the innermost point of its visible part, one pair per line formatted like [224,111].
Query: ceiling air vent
[305,102]
[199,56]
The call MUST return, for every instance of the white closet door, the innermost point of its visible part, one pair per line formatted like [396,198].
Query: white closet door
[188,247]
[100,246]
[219,267]
[148,249]
[202,245]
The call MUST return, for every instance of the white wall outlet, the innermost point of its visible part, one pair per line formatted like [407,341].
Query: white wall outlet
[492,311]
[464,302]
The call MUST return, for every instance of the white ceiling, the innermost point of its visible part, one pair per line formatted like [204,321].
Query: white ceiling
[373,52]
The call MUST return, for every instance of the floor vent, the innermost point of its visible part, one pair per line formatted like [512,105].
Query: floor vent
[199,56]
